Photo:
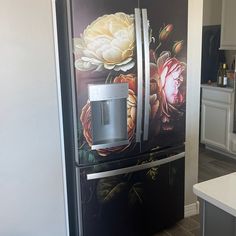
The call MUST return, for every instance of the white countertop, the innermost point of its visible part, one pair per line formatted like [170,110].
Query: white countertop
[220,192]
[215,87]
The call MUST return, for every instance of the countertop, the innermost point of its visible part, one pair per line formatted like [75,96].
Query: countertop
[220,192]
[213,86]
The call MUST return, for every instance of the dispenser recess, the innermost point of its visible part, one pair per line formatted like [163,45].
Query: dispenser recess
[108,115]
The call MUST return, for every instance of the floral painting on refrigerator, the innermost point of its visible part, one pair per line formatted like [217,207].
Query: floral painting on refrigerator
[106,49]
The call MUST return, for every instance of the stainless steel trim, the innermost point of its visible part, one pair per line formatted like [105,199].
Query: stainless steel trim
[59,100]
[130,169]
[147,73]
[139,73]
[73,83]
[79,201]
[75,118]
[109,144]
[100,92]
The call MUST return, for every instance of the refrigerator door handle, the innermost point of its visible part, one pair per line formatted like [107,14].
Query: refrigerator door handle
[135,168]
[147,73]
[139,73]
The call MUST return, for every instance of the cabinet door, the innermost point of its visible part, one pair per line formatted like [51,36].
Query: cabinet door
[228,30]
[215,124]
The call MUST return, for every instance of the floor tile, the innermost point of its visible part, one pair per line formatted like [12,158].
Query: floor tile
[212,164]
[196,232]
[177,230]
[196,217]
[189,224]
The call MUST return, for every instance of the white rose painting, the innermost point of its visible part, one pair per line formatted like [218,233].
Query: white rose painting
[107,43]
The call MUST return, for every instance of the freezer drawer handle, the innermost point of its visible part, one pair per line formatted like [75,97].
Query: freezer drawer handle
[139,73]
[130,169]
[147,73]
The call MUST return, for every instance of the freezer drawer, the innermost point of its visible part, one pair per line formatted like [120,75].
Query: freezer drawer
[136,198]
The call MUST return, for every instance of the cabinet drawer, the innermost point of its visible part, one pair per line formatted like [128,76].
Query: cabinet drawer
[217,96]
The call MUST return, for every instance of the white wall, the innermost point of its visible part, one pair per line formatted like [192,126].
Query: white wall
[193,97]
[212,12]
[230,56]
[31,170]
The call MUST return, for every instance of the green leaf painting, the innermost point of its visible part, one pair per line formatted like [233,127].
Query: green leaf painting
[136,194]
[109,189]
[152,173]
[86,156]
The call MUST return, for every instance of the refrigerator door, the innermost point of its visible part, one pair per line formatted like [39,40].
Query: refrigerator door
[135,197]
[164,26]
[107,50]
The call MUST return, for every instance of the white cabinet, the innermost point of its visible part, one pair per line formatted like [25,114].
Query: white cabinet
[215,124]
[216,116]
[228,29]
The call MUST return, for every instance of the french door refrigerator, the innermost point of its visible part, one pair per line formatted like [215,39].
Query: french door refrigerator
[123,86]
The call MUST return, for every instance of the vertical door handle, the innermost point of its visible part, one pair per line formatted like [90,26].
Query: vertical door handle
[147,73]
[139,73]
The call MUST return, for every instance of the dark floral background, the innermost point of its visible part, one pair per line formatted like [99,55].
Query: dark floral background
[105,52]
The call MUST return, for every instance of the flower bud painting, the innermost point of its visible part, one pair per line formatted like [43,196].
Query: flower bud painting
[165,32]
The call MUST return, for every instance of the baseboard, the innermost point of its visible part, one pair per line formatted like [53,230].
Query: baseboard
[228,154]
[191,209]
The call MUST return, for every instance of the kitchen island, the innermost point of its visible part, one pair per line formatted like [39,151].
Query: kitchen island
[217,205]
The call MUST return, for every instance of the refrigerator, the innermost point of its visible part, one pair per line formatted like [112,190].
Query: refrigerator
[123,88]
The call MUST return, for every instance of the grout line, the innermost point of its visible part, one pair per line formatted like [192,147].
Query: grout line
[196,227]
[196,221]
[186,230]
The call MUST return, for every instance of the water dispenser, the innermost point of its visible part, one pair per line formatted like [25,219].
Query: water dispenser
[108,115]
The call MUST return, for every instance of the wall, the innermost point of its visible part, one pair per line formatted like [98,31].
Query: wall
[212,12]
[212,16]
[193,97]
[230,56]
[31,172]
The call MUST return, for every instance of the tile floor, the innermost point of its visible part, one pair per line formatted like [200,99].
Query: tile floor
[211,165]
[187,227]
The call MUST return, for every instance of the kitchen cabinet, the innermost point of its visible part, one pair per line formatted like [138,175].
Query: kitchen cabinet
[216,116]
[228,29]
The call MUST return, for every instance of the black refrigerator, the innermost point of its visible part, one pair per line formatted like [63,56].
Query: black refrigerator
[123,87]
